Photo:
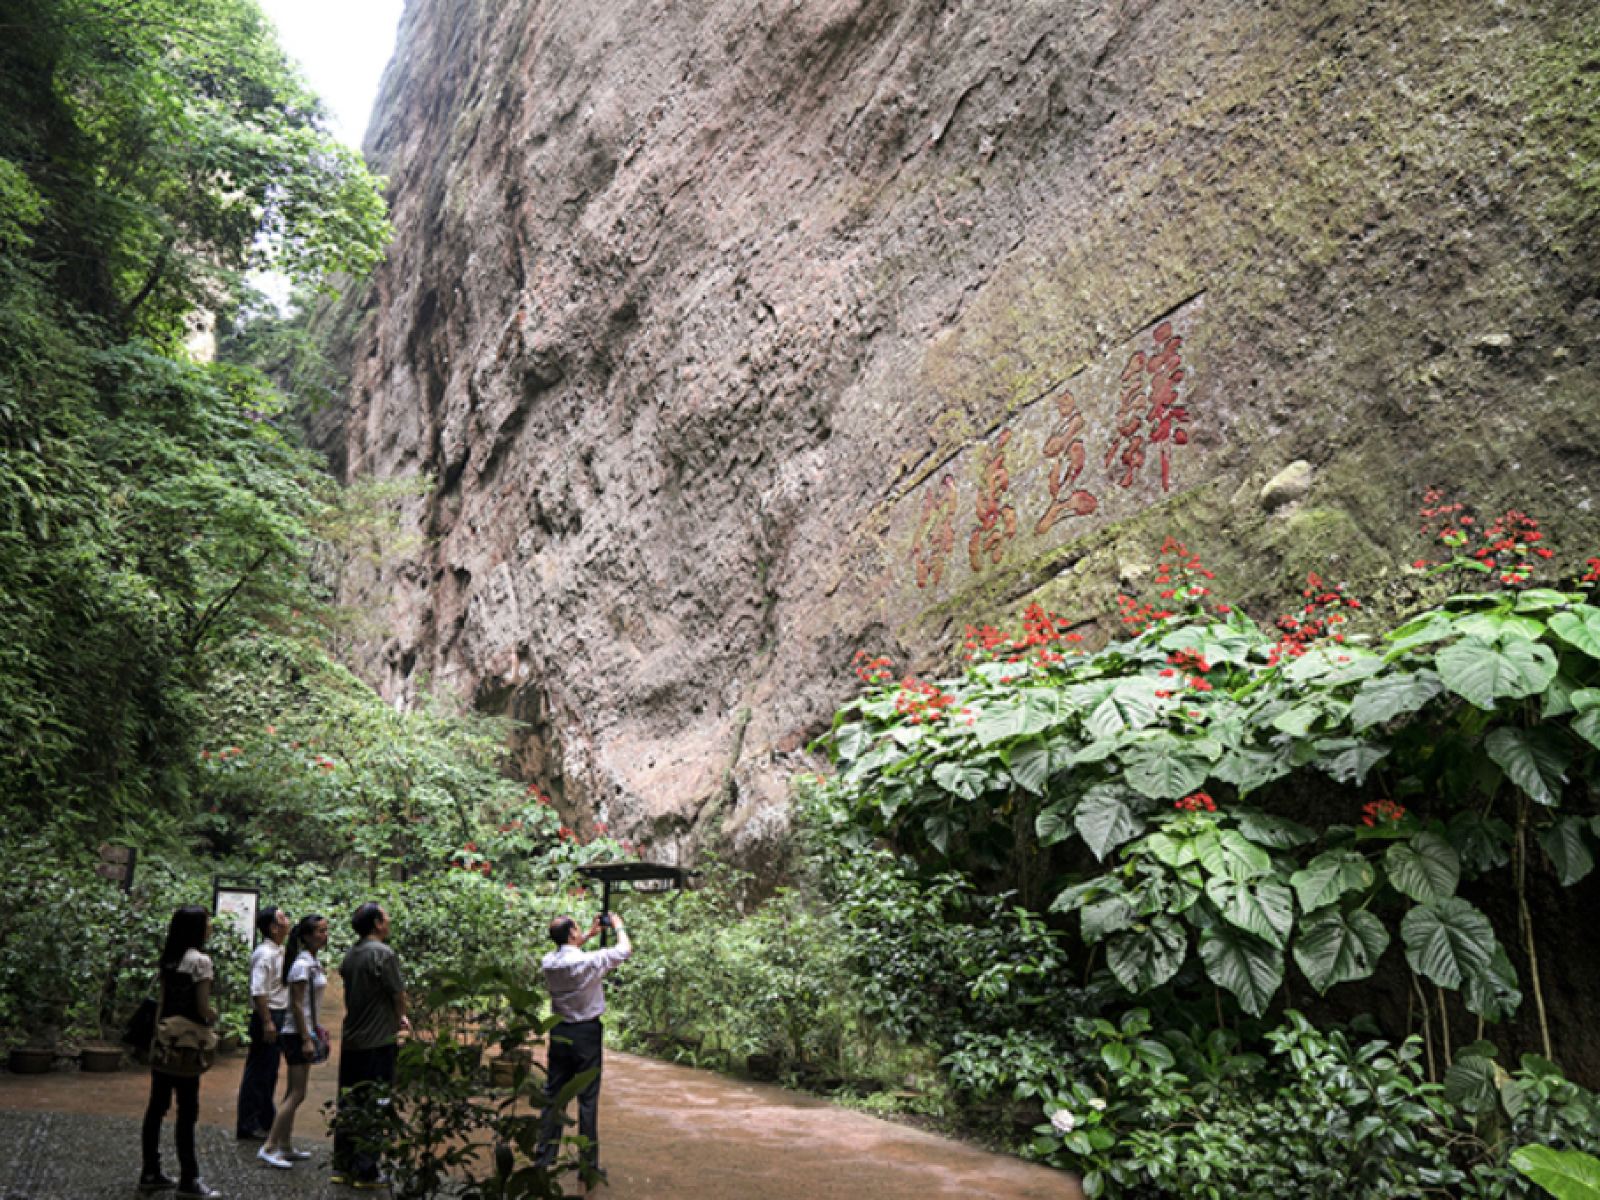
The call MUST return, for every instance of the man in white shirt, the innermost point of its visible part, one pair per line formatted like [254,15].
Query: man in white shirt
[269,1007]
[577,995]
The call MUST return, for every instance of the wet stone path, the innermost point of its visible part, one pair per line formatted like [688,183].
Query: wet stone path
[667,1133]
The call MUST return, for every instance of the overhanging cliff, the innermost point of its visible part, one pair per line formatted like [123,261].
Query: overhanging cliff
[737,335]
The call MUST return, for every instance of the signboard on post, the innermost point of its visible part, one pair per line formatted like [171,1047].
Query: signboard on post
[117,863]
[234,908]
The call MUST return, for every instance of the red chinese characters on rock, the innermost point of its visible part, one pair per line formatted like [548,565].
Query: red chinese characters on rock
[1151,412]
[936,533]
[997,521]
[1065,450]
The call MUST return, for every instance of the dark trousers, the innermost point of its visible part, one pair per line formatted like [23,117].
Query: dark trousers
[163,1088]
[256,1109]
[357,1070]
[575,1047]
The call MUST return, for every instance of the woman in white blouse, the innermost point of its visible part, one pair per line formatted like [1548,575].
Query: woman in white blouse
[302,1045]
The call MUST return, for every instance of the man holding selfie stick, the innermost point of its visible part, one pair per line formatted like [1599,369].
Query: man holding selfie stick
[574,977]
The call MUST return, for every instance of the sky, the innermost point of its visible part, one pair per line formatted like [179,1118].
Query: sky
[342,46]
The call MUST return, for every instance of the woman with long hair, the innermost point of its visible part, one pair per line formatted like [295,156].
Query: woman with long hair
[301,1047]
[186,975]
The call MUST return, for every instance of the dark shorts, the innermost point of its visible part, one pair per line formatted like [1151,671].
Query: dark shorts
[294,1050]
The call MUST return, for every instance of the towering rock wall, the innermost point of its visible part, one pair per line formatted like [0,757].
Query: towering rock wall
[738,334]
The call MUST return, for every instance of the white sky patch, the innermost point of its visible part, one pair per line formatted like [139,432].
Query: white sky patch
[342,46]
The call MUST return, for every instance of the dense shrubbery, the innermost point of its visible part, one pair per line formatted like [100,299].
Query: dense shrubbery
[1181,819]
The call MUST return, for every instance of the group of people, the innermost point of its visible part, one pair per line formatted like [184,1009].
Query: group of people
[287,980]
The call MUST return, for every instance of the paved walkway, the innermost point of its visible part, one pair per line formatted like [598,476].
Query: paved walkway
[669,1133]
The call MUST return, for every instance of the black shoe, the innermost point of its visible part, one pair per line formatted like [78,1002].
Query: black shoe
[155,1181]
[252,1135]
[198,1189]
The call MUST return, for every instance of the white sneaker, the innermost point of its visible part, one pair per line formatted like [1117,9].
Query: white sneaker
[296,1155]
[273,1159]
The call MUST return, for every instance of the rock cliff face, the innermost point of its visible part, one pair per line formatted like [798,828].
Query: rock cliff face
[739,334]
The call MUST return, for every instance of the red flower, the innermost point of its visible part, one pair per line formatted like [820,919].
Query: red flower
[1198,802]
[1378,811]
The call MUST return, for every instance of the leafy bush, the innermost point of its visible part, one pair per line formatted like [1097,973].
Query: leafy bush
[1321,1116]
[1091,776]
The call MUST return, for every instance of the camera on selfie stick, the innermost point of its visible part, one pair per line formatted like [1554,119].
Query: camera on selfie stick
[639,876]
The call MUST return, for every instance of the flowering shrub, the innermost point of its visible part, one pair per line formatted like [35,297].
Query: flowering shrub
[1178,759]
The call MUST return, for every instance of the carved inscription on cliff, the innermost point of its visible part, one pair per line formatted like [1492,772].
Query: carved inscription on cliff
[1113,438]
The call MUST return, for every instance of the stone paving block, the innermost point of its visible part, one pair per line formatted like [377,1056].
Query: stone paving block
[71,1156]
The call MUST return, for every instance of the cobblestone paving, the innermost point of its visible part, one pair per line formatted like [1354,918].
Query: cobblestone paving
[73,1156]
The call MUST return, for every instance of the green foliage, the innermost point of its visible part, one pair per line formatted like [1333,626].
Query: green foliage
[1189,1115]
[442,1128]
[1565,1174]
[1473,713]
[152,508]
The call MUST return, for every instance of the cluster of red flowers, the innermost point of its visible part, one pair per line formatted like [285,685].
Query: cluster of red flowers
[1183,580]
[1378,811]
[225,752]
[465,854]
[1179,579]
[1199,802]
[566,834]
[1509,545]
[920,702]
[1042,632]
[872,670]
[1192,665]
[1320,617]
[1592,575]
[1138,616]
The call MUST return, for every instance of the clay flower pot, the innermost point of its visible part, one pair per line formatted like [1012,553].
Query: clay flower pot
[31,1060]
[100,1059]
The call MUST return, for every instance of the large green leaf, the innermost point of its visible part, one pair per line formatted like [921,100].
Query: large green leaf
[1280,833]
[1106,818]
[938,828]
[1388,696]
[1483,843]
[1587,726]
[1264,909]
[1579,628]
[1130,704]
[1248,967]
[1447,941]
[1144,959]
[962,779]
[1033,763]
[1054,824]
[1338,947]
[1492,992]
[851,741]
[1230,854]
[1349,759]
[1426,868]
[1330,875]
[1484,672]
[1567,844]
[1248,768]
[1565,1174]
[1533,759]
[1105,916]
[1163,769]
[1028,712]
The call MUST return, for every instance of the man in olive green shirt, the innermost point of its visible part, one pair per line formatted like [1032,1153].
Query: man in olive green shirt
[374,1015]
